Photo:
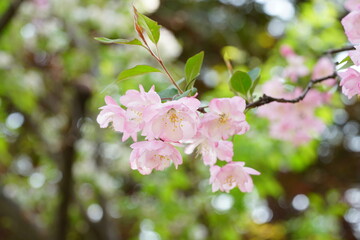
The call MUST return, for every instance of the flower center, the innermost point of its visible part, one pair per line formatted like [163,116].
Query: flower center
[223,118]
[230,180]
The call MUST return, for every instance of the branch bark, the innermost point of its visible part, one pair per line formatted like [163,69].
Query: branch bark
[9,14]
[265,99]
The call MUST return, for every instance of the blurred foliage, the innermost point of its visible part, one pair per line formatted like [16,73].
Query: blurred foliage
[62,177]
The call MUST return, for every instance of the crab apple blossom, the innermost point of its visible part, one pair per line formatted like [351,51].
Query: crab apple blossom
[352,5]
[140,100]
[212,150]
[351,24]
[225,118]
[173,121]
[155,154]
[232,175]
[323,68]
[355,55]
[293,122]
[296,64]
[350,82]
[112,112]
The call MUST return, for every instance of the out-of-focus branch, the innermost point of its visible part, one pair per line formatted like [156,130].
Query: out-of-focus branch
[21,226]
[68,155]
[338,50]
[265,99]
[9,14]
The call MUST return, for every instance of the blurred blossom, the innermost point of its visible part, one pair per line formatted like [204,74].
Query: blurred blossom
[351,128]
[236,3]
[199,232]
[300,202]
[147,225]
[28,31]
[95,212]
[5,60]
[112,209]
[33,81]
[169,46]
[352,196]
[340,116]
[36,180]
[352,215]
[149,235]
[333,134]
[261,214]
[347,101]
[14,120]
[23,165]
[353,143]
[276,27]
[222,202]
[210,78]
[283,9]
[147,6]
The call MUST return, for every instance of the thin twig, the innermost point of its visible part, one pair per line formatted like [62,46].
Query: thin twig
[265,99]
[338,50]
[9,14]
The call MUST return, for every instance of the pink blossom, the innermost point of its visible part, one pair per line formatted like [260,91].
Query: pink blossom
[297,122]
[355,55]
[296,68]
[173,121]
[225,118]
[212,150]
[286,51]
[350,82]
[112,112]
[351,24]
[155,154]
[323,68]
[352,5]
[140,100]
[233,174]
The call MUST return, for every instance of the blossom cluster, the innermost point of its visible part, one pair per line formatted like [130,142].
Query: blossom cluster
[292,122]
[350,78]
[297,122]
[178,123]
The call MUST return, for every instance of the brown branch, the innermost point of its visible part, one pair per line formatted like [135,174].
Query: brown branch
[265,99]
[9,14]
[338,50]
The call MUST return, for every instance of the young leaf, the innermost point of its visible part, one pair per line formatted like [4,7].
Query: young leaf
[168,93]
[255,76]
[187,93]
[136,71]
[150,26]
[241,82]
[348,64]
[192,68]
[119,41]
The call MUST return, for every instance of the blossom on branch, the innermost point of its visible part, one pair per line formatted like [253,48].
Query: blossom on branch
[232,175]
[350,82]
[351,24]
[149,155]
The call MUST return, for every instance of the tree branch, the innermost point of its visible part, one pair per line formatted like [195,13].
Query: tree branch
[265,99]
[338,50]
[9,14]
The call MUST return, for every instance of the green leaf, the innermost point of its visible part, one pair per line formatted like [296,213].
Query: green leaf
[168,93]
[347,58]
[119,41]
[348,64]
[136,71]
[150,26]
[241,82]
[187,93]
[255,77]
[192,68]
